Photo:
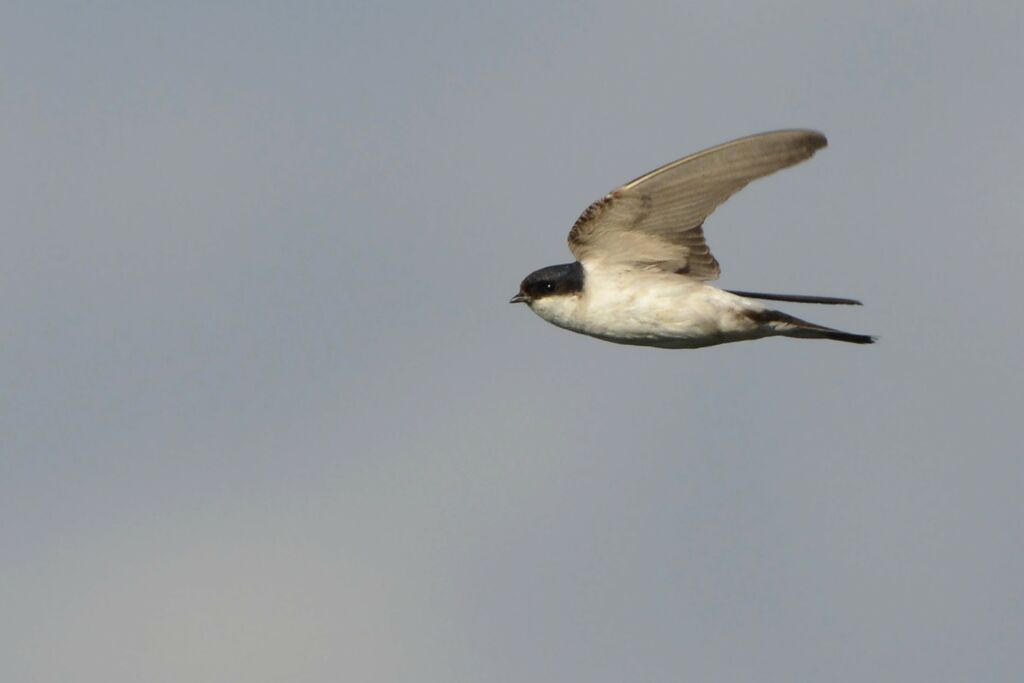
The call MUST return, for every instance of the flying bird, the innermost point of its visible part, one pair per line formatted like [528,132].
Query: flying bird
[642,267]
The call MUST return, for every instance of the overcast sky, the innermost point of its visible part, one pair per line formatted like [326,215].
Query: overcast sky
[266,415]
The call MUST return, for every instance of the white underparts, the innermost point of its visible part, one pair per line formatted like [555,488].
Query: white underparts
[653,308]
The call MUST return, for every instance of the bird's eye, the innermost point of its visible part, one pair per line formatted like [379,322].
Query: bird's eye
[549,286]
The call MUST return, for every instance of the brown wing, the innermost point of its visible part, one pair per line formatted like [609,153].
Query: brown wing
[656,220]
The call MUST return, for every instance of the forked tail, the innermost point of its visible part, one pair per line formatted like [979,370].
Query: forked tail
[790,326]
[798,298]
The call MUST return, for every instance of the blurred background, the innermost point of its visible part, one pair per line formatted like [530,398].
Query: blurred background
[266,415]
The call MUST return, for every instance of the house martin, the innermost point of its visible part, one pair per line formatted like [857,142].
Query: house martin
[642,266]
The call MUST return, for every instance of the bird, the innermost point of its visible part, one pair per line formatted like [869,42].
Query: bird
[642,269]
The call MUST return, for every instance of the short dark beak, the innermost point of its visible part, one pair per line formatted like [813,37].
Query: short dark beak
[518,299]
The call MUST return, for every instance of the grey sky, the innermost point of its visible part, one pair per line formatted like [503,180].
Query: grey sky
[265,414]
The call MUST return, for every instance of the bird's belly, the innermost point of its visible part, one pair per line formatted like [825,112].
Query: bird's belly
[666,319]
[651,327]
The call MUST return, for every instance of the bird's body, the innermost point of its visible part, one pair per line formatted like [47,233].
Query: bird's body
[640,277]
[654,308]
[648,308]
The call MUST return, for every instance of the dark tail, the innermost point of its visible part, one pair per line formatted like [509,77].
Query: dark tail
[789,326]
[817,332]
[798,298]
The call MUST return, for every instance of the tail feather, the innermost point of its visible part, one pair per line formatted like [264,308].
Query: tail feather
[798,298]
[817,332]
[790,326]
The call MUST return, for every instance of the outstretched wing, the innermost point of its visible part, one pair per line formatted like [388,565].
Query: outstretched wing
[656,220]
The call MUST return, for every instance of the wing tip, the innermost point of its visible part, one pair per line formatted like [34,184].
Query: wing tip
[818,140]
[812,140]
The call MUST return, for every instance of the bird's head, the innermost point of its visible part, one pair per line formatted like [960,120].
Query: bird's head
[561,280]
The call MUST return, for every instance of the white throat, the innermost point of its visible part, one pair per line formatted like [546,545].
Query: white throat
[561,309]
